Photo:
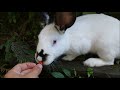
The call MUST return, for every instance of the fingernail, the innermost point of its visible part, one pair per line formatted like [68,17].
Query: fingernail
[39,65]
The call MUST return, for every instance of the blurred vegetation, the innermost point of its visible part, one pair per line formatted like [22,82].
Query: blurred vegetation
[19,35]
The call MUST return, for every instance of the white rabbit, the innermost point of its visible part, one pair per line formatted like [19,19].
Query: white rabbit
[95,33]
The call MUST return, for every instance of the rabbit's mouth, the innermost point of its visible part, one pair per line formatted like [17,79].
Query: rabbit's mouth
[40,56]
[39,59]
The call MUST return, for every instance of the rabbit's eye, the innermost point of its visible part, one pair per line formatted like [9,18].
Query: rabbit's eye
[54,42]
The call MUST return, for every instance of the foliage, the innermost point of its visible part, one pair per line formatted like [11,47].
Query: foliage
[22,51]
[14,51]
[57,75]
[66,73]
[3,69]
[90,72]
[18,38]
[17,49]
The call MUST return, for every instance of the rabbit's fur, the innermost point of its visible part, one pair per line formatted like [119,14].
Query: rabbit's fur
[95,33]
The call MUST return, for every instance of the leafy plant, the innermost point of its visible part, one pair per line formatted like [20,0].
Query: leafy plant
[66,73]
[18,37]
[90,72]
[14,51]
[17,49]
[57,75]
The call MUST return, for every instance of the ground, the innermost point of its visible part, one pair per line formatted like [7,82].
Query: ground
[112,71]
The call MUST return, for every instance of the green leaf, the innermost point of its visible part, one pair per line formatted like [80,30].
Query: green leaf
[90,72]
[67,72]
[57,75]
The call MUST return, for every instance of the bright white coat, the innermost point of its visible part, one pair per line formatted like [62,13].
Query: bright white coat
[96,33]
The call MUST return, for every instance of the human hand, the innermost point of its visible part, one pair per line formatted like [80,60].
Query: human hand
[24,70]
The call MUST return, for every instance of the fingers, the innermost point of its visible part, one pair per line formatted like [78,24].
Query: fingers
[21,67]
[35,71]
[26,71]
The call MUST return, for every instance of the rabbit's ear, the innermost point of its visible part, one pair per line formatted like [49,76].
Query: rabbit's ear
[48,17]
[44,19]
[64,20]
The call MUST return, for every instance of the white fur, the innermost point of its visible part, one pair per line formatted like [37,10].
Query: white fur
[96,33]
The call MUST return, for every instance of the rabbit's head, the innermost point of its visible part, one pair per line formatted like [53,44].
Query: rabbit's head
[51,42]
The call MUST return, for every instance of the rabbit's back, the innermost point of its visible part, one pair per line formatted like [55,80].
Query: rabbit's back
[97,31]
[95,23]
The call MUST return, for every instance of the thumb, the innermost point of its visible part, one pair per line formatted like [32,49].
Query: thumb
[35,72]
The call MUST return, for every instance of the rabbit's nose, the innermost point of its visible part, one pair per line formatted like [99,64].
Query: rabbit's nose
[41,53]
[43,56]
